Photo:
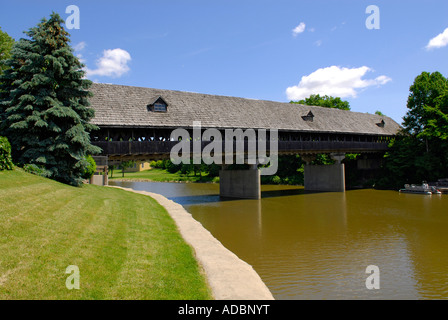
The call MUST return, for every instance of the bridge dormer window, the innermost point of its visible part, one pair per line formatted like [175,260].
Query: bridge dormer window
[308,117]
[158,105]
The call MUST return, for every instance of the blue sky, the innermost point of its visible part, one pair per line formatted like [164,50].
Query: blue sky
[248,48]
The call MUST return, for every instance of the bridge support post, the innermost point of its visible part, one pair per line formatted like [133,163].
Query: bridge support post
[330,178]
[242,184]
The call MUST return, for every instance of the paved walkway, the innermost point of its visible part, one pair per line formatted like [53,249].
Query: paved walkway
[229,277]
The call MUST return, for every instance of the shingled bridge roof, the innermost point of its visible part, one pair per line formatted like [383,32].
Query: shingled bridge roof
[126,106]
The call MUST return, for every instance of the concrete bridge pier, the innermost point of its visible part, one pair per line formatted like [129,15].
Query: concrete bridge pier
[242,184]
[330,178]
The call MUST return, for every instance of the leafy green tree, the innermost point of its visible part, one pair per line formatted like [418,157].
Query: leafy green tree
[420,152]
[427,117]
[46,104]
[111,170]
[6,43]
[399,163]
[125,165]
[427,98]
[288,165]
[325,101]
[5,155]
[323,159]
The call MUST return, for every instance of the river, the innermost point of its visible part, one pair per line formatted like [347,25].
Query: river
[319,245]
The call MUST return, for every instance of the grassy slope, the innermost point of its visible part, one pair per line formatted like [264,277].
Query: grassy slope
[125,245]
[160,175]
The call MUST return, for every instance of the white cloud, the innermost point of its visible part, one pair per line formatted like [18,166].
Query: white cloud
[113,63]
[80,46]
[299,29]
[334,81]
[439,41]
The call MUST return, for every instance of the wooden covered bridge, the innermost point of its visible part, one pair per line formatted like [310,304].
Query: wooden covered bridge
[136,123]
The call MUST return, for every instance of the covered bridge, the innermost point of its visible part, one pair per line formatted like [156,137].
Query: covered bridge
[137,122]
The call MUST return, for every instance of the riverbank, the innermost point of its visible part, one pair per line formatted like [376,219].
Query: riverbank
[228,276]
[125,245]
[160,175]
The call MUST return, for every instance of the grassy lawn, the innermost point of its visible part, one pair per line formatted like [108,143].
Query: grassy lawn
[160,175]
[125,245]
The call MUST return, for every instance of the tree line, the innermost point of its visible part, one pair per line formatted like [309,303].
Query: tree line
[420,151]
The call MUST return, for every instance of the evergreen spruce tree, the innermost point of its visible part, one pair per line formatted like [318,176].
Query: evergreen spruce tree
[45,102]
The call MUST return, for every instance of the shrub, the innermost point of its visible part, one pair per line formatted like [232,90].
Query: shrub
[35,169]
[5,155]
[160,164]
[293,180]
[298,180]
[171,167]
[186,168]
[32,168]
[90,170]
[213,170]
[276,180]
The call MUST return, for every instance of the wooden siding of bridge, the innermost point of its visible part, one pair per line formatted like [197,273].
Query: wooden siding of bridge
[148,150]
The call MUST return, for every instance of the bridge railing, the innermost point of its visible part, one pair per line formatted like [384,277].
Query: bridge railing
[121,148]
[331,146]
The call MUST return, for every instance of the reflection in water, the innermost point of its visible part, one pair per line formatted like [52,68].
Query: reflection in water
[318,245]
